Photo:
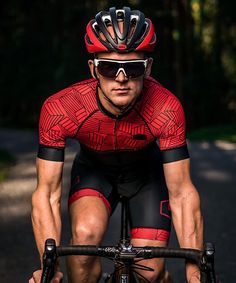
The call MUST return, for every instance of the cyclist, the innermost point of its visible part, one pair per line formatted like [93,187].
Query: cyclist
[117,116]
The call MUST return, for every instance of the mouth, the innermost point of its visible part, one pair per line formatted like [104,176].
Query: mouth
[121,90]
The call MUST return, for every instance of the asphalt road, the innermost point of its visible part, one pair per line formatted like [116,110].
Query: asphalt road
[213,172]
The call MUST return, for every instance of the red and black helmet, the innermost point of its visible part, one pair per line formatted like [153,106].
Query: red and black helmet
[120,30]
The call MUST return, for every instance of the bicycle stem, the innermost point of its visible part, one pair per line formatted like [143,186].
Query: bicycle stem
[124,220]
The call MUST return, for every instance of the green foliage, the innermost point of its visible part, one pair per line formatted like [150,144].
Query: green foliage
[221,132]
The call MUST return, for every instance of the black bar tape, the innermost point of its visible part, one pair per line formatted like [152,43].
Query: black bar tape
[175,154]
[51,153]
[77,250]
[188,254]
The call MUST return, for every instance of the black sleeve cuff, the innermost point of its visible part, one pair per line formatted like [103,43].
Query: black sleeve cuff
[51,153]
[175,154]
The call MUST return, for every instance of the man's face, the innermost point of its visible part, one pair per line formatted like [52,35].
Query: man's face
[121,90]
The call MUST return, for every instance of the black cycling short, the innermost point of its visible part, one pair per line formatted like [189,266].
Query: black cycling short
[149,209]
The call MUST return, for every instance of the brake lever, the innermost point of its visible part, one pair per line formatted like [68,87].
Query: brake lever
[207,264]
[49,260]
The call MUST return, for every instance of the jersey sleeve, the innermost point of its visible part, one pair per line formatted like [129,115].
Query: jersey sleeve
[172,139]
[54,127]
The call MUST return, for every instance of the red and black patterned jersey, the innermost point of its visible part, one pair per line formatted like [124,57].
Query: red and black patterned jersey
[76,112]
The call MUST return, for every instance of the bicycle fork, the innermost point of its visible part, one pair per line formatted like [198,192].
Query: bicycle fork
[123,274]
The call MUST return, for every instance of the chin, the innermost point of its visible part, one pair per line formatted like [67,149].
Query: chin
[122,103]
[123,99]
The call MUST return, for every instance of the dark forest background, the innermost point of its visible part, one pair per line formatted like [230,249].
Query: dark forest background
[42,50]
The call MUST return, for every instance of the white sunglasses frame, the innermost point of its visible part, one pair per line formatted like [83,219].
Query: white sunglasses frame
[144,61]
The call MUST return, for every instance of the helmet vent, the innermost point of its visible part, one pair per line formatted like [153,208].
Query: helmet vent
[120,30]
[133,22]
[107,22]
[120,16]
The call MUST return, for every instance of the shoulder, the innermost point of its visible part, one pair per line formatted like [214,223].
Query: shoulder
[165,116]
[76,90]
[81,95]
[158,99]
[155,92]
[62,113]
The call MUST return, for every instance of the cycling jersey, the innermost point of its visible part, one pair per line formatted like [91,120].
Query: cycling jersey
[76,112]
[119,156]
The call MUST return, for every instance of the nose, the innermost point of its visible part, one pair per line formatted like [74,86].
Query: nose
[121,77]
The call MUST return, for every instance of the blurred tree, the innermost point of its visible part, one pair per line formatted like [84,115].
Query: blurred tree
[42,51]
[208,87]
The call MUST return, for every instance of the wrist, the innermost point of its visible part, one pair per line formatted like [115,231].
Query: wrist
[193,273]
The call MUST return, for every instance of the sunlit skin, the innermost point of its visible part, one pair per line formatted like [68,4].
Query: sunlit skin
[121,90]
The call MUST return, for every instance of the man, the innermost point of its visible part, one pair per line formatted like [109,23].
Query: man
[117,117]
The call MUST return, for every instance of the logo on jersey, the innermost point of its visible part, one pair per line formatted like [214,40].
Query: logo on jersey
[140,137]
[165,208]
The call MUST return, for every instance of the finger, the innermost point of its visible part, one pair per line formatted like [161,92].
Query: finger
[57,277]
[37,276]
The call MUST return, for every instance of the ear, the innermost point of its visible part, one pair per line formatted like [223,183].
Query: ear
[92,69]
[149,67]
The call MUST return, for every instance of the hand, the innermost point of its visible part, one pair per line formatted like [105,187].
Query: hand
[193,273]
[195,278]
[36,278]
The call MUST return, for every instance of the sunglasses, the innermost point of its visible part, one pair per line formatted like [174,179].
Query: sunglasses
[111,68]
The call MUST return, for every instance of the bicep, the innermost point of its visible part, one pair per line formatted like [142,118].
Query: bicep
[177,175]
[49,175]
[182,193]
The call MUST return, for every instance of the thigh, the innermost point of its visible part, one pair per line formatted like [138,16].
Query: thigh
[89,219]
[150,222]
[91,200]
[150,211]
[89,181]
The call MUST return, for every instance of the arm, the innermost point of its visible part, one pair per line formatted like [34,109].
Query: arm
[46,217]
[185,208]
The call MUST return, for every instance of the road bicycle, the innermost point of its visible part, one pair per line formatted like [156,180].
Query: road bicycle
[126,257]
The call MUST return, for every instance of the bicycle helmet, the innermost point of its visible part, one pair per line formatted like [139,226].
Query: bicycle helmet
[120,30]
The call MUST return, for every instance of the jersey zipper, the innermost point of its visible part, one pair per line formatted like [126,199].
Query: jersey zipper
[117,153]
[117,122]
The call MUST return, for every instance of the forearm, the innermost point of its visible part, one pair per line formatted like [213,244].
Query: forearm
[46,218]
[188,223]
[187,219]
[186,212]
